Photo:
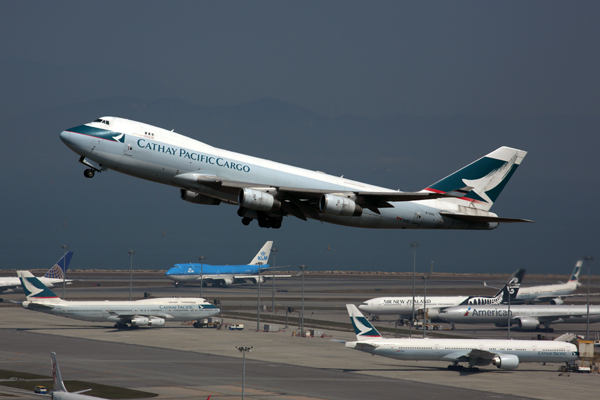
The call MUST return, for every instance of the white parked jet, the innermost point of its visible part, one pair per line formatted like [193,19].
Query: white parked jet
[54,276]
[147,312]
[402,305]
[267,191]
[551,293]
[504,354]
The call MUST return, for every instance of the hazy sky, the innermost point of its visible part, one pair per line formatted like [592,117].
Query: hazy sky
[517,73]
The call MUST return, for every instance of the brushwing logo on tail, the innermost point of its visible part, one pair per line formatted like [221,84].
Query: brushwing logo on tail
[34,288]
[362,329]
[489,182]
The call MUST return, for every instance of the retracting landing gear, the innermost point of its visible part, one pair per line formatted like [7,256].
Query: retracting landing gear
[89,173]
[265,222]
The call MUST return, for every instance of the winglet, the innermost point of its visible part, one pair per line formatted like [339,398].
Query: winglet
[362,327]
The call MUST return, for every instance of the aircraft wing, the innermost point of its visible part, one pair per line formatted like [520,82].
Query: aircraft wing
[39,306]
[482,218]
[562,296]
[300,202]
[473,356]
[127,317]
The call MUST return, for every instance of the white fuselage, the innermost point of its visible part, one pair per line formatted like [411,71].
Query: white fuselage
[543,293]
[10,284]
[166,157]
[402,305]
[448,349]
[169,309]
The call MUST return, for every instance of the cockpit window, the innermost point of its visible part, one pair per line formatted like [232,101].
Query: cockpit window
[104,121]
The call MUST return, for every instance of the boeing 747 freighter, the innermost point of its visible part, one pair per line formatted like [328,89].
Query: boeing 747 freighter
[267,191]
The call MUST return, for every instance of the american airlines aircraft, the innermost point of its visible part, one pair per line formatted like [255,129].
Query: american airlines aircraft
[402,305]
[527,317]
[147,312]
[504,354]
[224,275]
[54,276]
[267,191]
[551,293]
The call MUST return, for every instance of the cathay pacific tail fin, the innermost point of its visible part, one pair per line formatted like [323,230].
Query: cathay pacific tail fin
[362,327]
[34,289]
[481,182]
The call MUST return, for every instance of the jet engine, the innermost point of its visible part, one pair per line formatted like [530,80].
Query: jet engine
[140,321]
[257,200]
[198,198]
[259,278]
[226,281]
[506,361]
[433,313]
[337,205]
[156,322]
[527,323]
[556,301]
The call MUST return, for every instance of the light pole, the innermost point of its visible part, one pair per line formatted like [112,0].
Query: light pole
[425,277]
[130,253]
[508,290]
[414,246]
[302,268]
[273,283]
[243,350]
[201,259]
[64,247]
[258,300]
[589,260]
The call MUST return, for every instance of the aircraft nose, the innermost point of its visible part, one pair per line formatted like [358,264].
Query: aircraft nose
[65,136]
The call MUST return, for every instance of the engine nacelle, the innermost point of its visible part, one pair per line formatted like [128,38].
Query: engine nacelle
[506,361]
[156,322]
[259,278]
[198,198]
[527,323]
[140,321]
[556,301]
[226,281]
[257,200]
[433,313]
[337,205]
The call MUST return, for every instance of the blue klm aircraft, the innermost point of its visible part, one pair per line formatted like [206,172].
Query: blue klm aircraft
[224,275]
[267,191]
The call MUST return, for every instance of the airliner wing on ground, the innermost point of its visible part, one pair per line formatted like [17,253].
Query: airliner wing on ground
[54,276]
[146,312]
[268,191]
[504,354]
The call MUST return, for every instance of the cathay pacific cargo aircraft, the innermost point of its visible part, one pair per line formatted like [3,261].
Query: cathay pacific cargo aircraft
[268,191]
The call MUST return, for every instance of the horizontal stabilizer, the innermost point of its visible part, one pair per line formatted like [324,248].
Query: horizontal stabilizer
[482,218]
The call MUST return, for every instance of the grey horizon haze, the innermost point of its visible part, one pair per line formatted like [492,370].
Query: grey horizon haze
[397,94]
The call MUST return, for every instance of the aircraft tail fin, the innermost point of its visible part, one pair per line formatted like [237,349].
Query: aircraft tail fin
[57,380]
[511,287]
[362,327]
[481,182]
[34,288]
[59,269]
[263,255]
[576,272]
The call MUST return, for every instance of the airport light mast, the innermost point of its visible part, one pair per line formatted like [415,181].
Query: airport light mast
[414,246]
[64,272]
[243,350]
[425,277]
[272,283]
[201,259]
[589,260]
[130,253]
[302,268]
[258,299]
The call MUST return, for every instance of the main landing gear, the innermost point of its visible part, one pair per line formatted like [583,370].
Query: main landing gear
[456,367]
[89,173]
[265,222]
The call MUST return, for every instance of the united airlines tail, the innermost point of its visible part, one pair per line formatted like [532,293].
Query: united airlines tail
[57,381]
[59,269]
[262,256]
[362,327]
[482,181]
[34,289]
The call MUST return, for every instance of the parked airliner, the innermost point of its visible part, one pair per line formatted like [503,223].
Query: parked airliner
[504,354]
[550,293]
[402,305]
[54,276]
[526,317]
[59,391]
[267,191]
[147,312]
[224,275]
